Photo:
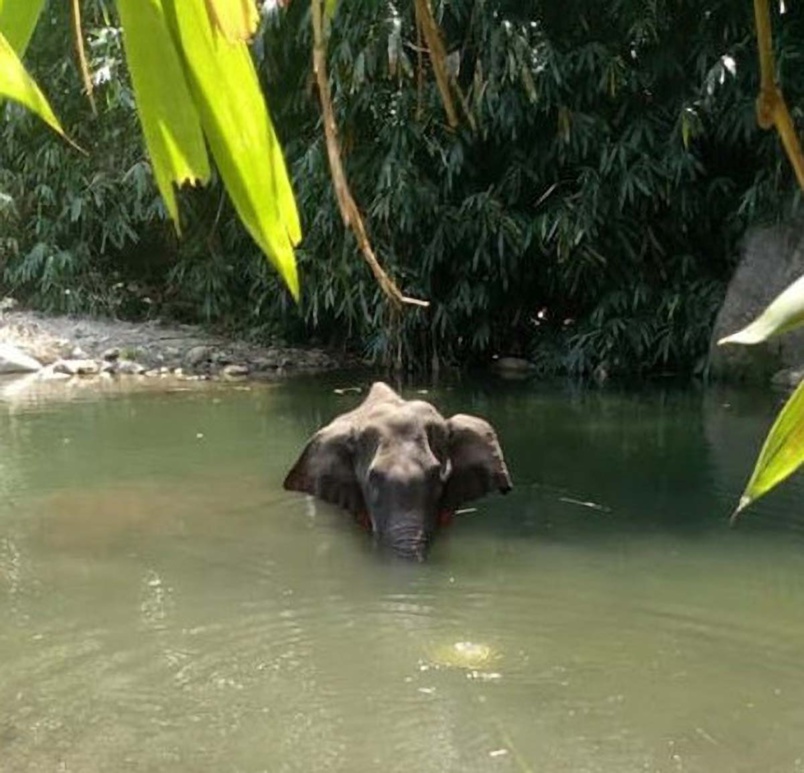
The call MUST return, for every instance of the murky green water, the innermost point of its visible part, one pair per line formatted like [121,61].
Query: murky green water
[165,606]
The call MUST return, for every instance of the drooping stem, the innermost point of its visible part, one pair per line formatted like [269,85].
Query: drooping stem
[82,56]
[346,203]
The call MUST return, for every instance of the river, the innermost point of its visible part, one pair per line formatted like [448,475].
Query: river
[166,606]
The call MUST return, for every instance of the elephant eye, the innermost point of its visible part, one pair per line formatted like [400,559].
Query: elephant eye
[433,472]
[376,476]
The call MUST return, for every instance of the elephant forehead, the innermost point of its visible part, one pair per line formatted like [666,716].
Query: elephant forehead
[411,420]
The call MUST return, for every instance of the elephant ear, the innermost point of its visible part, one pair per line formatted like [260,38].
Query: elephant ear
[477,460]
[326,469]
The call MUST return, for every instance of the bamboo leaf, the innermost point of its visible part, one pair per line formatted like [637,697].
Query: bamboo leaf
[16,84]
[240,134]
[236,19]
[782,452]
[170,121]
[784,313]
[330,6]
[17,21]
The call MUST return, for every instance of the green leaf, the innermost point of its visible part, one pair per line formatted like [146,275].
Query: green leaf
[784,313]
[170,121]
[782,452]
[236,19]
[16,84]
[17,21]
[240,134]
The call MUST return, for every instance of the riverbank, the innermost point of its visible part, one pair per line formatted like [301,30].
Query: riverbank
[65,346]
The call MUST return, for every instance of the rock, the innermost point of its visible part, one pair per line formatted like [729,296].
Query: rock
[788,377]
[76,367]
[264,363]
[129,368]
[512,368]
[512,364]
[14,360]
[236,371]
[772,258]
[152,345]
[8,303]
[49,373]
[198,355]
[317,360]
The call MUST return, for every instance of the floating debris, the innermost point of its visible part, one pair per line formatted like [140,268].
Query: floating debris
[591,505]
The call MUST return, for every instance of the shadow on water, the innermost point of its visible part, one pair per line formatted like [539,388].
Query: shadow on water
[167,606]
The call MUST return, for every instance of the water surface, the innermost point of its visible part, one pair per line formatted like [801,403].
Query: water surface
[166,606]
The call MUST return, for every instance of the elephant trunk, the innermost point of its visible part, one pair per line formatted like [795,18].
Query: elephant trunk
[407,540]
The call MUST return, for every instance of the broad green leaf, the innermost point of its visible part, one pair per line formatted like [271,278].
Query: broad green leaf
[17,22]
[16,84]
[240,134]
[330,6]
[236,19]
[782,452]
[784,313]
[170,121]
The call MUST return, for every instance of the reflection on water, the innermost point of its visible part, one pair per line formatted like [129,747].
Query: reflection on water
[167,607]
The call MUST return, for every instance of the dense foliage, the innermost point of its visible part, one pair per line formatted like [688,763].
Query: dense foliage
[585,214]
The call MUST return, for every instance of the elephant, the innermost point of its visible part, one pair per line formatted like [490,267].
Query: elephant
[400,468]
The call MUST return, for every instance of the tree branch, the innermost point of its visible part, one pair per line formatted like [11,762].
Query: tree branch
[349,211]
[771,107]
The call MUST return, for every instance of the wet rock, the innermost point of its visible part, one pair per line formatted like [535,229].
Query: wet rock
[77,367]
[772,257]
[512,364]
[317,360]
[111,355]
[788,377]
[512,368]
[129,368]
[78,353]
[199,355]
[49,373]
[14,360]
[236,371]
[261,364]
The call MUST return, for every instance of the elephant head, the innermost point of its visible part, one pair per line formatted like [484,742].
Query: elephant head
[400,468]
